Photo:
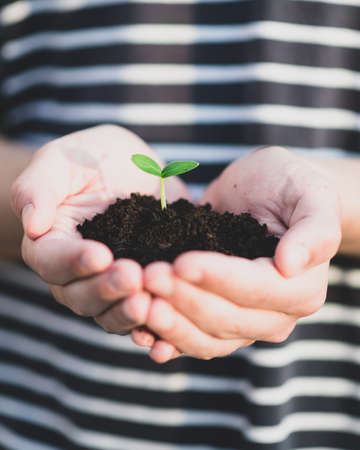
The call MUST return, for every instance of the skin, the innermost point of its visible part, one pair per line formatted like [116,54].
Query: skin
[205,304]
[16,158]
[208,304]
[68,180]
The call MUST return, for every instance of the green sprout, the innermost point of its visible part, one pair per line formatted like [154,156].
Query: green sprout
[148,165]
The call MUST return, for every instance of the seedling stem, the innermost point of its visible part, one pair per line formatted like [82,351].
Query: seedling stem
[162,193]
[148,165]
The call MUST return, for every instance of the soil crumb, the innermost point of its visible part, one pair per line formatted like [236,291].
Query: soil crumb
[137,228]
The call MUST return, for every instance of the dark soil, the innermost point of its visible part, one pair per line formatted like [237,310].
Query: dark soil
[137,228]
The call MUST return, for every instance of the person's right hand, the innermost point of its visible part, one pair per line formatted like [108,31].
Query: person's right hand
[68,180]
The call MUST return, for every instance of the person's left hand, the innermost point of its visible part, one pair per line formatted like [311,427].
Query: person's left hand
[207,304]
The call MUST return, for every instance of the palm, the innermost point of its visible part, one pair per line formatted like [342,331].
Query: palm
[297,200]
[76,209]
[93,169]
[80,175]
[263,184]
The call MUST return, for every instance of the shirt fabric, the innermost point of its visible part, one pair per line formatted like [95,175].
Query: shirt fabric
[208,80]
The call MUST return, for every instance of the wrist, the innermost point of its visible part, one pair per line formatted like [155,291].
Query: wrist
[344,173]
[17,158]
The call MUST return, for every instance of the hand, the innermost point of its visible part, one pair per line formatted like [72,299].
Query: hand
[68,180]
[208,304]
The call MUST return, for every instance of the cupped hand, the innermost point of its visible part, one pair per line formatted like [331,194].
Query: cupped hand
[208,304]
[68,180]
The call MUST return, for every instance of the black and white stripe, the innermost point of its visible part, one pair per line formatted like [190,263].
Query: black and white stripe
[208,80]
[50,363]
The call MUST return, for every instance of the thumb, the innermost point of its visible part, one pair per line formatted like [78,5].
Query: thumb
[39,189]
[313,236]
[210,195]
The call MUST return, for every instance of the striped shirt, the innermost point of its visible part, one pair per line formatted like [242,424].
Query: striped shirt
[210,80]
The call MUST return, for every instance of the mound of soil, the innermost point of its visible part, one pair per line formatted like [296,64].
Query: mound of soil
[137,228]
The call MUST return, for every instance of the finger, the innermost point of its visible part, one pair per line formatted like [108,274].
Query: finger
[254,284]
[217,316]
[61,260]
[143,337]
[314,232]
[126,314]
[37,192]
[179,331]
[92,296]
[162,352]
[248,283]
[159,279]
[210,194]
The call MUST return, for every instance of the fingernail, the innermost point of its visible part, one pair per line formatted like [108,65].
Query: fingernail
[166,286]
[187,269]
[145,338]
[159,279]
[161,352]
[298,259]
[26,216]
[86,265]
[147,341]
[162,316]
[116,283]
[193,276]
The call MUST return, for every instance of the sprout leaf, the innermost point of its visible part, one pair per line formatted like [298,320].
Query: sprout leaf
[146,164]
[178,168]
